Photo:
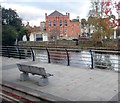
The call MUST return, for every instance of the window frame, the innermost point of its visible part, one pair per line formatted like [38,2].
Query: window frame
[65,22]
[49,23]
[54,23]
[60,22]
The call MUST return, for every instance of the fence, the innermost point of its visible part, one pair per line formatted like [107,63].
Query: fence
[70,57]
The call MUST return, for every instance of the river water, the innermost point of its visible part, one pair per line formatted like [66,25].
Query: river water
[82,59]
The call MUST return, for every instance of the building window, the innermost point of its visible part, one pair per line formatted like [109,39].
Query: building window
[54,23]
[55,31]
[60,22]
[49,23]
[65,22]
[60,31]
[39,37]
[65,31]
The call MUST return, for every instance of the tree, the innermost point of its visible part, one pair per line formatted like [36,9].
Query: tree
[103,25]
[9,35]
[12,27]
[83,23]
[23,31]
[118,32]
[96,37]
[102,19]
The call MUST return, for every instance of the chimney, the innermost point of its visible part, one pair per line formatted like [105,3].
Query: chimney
[68,14]
[78,18]
[27,24]
[45,15]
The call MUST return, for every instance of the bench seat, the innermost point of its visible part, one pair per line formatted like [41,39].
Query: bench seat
[34,70]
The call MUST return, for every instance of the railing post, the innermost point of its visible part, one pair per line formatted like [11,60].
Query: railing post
[68,60]
[19,52]
[33,55]
[8,52]
[91,59]
[48,55]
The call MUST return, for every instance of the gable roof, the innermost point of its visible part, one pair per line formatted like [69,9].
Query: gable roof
[56,13]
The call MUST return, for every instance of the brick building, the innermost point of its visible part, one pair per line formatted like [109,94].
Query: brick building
[60,26]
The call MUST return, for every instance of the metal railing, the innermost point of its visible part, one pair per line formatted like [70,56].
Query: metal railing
[71,57]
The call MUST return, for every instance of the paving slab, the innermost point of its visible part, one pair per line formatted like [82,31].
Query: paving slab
[70,83]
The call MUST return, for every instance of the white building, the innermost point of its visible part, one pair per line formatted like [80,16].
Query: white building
[37,33]
[38,36]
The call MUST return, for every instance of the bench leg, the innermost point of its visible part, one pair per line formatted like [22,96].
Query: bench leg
[24,76]
[43,82]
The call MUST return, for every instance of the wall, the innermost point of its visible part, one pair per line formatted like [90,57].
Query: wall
[34,35]
[63,31]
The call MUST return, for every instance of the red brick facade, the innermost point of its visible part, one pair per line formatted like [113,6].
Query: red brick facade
[59,25]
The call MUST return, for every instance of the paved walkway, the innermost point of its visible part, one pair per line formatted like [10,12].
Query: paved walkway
[70,83]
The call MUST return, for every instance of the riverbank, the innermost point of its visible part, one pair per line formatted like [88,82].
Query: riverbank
[70,44]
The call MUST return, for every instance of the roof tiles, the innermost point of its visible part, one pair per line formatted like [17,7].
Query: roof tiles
[56,13]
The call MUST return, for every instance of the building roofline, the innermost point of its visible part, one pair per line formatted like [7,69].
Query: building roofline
[56,13]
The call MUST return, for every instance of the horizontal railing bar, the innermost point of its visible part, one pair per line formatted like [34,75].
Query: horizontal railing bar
[4,49]
[58,55]
[13,54]
[81,57]
[42,56]
[105,51]
[78,62]
[57,51]
[81,64]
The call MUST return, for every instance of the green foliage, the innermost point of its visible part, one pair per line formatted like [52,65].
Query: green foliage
[75,20]
[23,31]
[12,27]
[96,38]
[9,35]
[102,25]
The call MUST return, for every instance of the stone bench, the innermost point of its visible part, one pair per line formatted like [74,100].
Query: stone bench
[26,69]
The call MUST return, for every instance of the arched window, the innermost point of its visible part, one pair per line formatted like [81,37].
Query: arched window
[49,23]
[54,23]
[65,22]
[60,22]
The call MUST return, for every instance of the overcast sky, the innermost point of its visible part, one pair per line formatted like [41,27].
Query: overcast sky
[34,10]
